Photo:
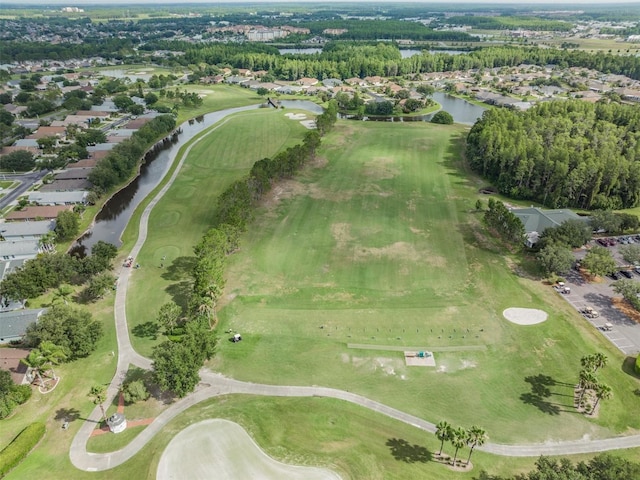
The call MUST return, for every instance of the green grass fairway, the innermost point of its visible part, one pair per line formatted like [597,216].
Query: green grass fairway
[382,247]
[187,210]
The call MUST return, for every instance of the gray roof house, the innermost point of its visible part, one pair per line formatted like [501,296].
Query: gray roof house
[13,325]
[58,198]
[19,250]
[74,174]
[536,220]
[19,231]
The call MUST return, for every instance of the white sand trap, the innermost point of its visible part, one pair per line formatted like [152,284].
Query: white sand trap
[296,116]
[525,316]
[310,124]
[223,450]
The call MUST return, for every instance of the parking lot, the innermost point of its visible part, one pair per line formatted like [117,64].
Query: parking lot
[625,333]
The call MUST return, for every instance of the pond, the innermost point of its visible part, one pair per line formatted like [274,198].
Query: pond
[116,212]
[302,51]
[462,111]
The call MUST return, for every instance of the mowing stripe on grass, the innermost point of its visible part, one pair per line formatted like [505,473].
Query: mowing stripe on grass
[398,348]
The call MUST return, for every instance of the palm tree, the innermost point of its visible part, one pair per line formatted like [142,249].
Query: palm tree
[53,354]
[458,440]
[600,360]
[98,394]
[63,292]
[476,436]
[207,307]
[587,380]
[588,362]
[443,433]
[603,391]
[35,360]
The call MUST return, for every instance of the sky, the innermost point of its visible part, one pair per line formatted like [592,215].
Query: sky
[555,5]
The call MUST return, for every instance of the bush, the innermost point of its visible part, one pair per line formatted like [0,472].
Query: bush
[135,391]
[443,118]
[20,447]
[637,366]
[21,393]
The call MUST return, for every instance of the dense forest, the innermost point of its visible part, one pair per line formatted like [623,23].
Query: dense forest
[561,154]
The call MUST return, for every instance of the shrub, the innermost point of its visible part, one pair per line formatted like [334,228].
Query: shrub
[637,366]
[20,447]
[135,391]
[443,118]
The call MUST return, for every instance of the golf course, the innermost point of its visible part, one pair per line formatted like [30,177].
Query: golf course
[376,248]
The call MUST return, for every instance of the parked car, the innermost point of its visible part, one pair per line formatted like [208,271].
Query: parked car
[589,312]
[626,273]
[614,276]
[636,270]
[603,241]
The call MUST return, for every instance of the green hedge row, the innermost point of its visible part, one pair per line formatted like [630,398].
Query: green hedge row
[20,447]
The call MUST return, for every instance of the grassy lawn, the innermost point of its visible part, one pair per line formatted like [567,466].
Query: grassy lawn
[356,443]
[68,401]
[187,210]
[382,248]
[214,98]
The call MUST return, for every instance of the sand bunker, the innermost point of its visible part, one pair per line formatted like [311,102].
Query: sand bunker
[310,124]
[525,316]
[224,450]
[296,116]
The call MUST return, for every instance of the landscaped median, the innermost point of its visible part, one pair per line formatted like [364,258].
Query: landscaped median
[20,447]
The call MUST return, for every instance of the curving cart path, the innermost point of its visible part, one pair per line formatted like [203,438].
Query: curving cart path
[213,384]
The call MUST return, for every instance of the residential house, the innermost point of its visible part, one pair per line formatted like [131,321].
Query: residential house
[70,185]
[21,231]
[10,361]
[13,325]
[34,213]
[58,198]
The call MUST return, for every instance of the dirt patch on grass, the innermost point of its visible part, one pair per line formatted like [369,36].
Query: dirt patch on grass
[341,233]
[397,250]
[380,168]
[625,307]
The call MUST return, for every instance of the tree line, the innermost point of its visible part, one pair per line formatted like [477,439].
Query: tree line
[343,59]
[124,158]
[176,361]
[561,154]
[601,467]
[47,271]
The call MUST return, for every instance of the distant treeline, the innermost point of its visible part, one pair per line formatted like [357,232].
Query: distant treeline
[561,154]
[348,59]
[508,22]
[387,29]
[108,48]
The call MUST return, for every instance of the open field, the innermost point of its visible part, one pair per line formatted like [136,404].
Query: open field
[187,211]
[382,247]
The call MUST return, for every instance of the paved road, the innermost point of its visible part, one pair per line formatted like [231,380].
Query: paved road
[213,384]
[25,180]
